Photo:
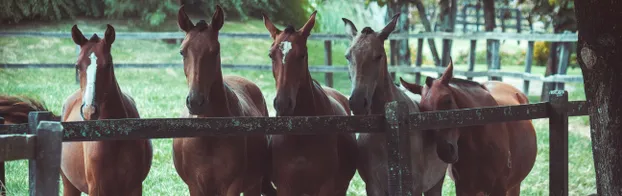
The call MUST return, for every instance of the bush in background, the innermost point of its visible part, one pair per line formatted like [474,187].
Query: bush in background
[13,11]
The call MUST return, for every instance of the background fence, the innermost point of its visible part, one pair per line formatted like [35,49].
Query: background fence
[27,141]
[493,38]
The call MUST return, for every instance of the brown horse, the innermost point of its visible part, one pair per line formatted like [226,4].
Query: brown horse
[15,109]
[373,87]
[494,158]
[218,165]
[102,167]
[315,165]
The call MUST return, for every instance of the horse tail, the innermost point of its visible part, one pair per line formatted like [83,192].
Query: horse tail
[15,109]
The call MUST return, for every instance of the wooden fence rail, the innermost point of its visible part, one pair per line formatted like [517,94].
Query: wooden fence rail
[493,38]
[396,123]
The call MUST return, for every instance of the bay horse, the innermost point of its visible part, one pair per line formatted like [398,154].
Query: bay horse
[491,159]
[101,167]
[15,109]
[372,89]
[224,165]
[317,165]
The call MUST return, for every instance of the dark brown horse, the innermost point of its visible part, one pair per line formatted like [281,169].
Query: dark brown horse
[15,109]
[317,165]
[490,159]
[218,165]
[373,87]
[103,167]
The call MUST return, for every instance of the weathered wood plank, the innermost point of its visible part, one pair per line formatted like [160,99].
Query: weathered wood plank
[571,37]
[193,127]
[47,159]
[419,60]
[16,147]
[398,147]
[564,57]
[577,108]
[33,123]
[325,68]
[558,143]
[14,129]
[476,116]
[2,172]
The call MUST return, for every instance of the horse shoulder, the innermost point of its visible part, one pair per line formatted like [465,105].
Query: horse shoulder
[130,105]
[71,101]
[249,95]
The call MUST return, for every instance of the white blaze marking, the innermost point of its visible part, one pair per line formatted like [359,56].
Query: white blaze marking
[91,72]
[285,47]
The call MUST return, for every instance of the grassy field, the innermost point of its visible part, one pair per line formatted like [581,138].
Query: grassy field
[160,93]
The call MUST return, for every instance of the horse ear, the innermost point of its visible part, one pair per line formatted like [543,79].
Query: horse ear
[412,87]
[306,29]
[448,74]
[184,21]
[109,36]
[218,19]
[386,31]
[270,26]
[77,36]
[350,28]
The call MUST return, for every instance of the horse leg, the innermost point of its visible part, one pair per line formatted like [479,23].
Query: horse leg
[437,189]
[138,191]
[514,191]
[68,188]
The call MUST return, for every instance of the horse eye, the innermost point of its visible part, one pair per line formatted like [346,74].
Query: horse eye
[181,53]
[270,55]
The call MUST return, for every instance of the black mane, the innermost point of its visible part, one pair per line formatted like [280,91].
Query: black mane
[367,30]
[94,38]
[201,25]
[289,29]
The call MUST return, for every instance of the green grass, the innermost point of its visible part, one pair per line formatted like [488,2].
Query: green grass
[160,93]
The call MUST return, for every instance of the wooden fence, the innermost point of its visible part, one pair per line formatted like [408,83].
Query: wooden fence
[39,140]
[493,72]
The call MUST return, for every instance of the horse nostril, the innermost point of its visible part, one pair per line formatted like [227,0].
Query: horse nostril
[365,102]
[188,100]
[201,101]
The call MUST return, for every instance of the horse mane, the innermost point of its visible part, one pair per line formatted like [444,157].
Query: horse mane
[466,83]
[367,30]
[289,29]
[95,38]
[16,108]
[201,25]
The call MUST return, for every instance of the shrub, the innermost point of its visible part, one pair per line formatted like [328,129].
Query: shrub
[541,52]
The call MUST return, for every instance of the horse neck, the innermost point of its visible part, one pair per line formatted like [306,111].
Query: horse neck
[113,105]
[385,92]
[311,99]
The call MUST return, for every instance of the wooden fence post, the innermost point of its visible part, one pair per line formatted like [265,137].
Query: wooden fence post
[528,62]
[564,57]
[2,172]
[419,60]
[328,60]
[33,122]
[558,143]
[472,56]
[46,168]
[398,143]
[495,61]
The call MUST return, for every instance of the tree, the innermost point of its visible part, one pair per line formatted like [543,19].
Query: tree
[599,50]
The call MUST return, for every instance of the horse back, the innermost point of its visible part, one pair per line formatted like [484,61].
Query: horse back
[249,95]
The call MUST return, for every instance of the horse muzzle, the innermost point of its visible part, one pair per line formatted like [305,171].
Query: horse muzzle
[89,112]
[360,105]
[284,106]
[196,103]
[447,152]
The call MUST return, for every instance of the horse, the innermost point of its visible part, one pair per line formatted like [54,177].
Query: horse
[306,164]
[223,165]
[101,167]
[372,89]
[491,159]
[15,109]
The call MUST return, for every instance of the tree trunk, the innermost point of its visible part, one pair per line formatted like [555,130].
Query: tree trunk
[551,68]
[489,26]
[400,51]
[448,19]
[598,52]
[428,28]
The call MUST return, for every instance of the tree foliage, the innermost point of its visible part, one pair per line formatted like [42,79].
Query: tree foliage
[153,12]
[556,13]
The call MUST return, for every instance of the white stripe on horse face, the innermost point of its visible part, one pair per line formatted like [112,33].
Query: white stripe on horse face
[285,47]
[91,72]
